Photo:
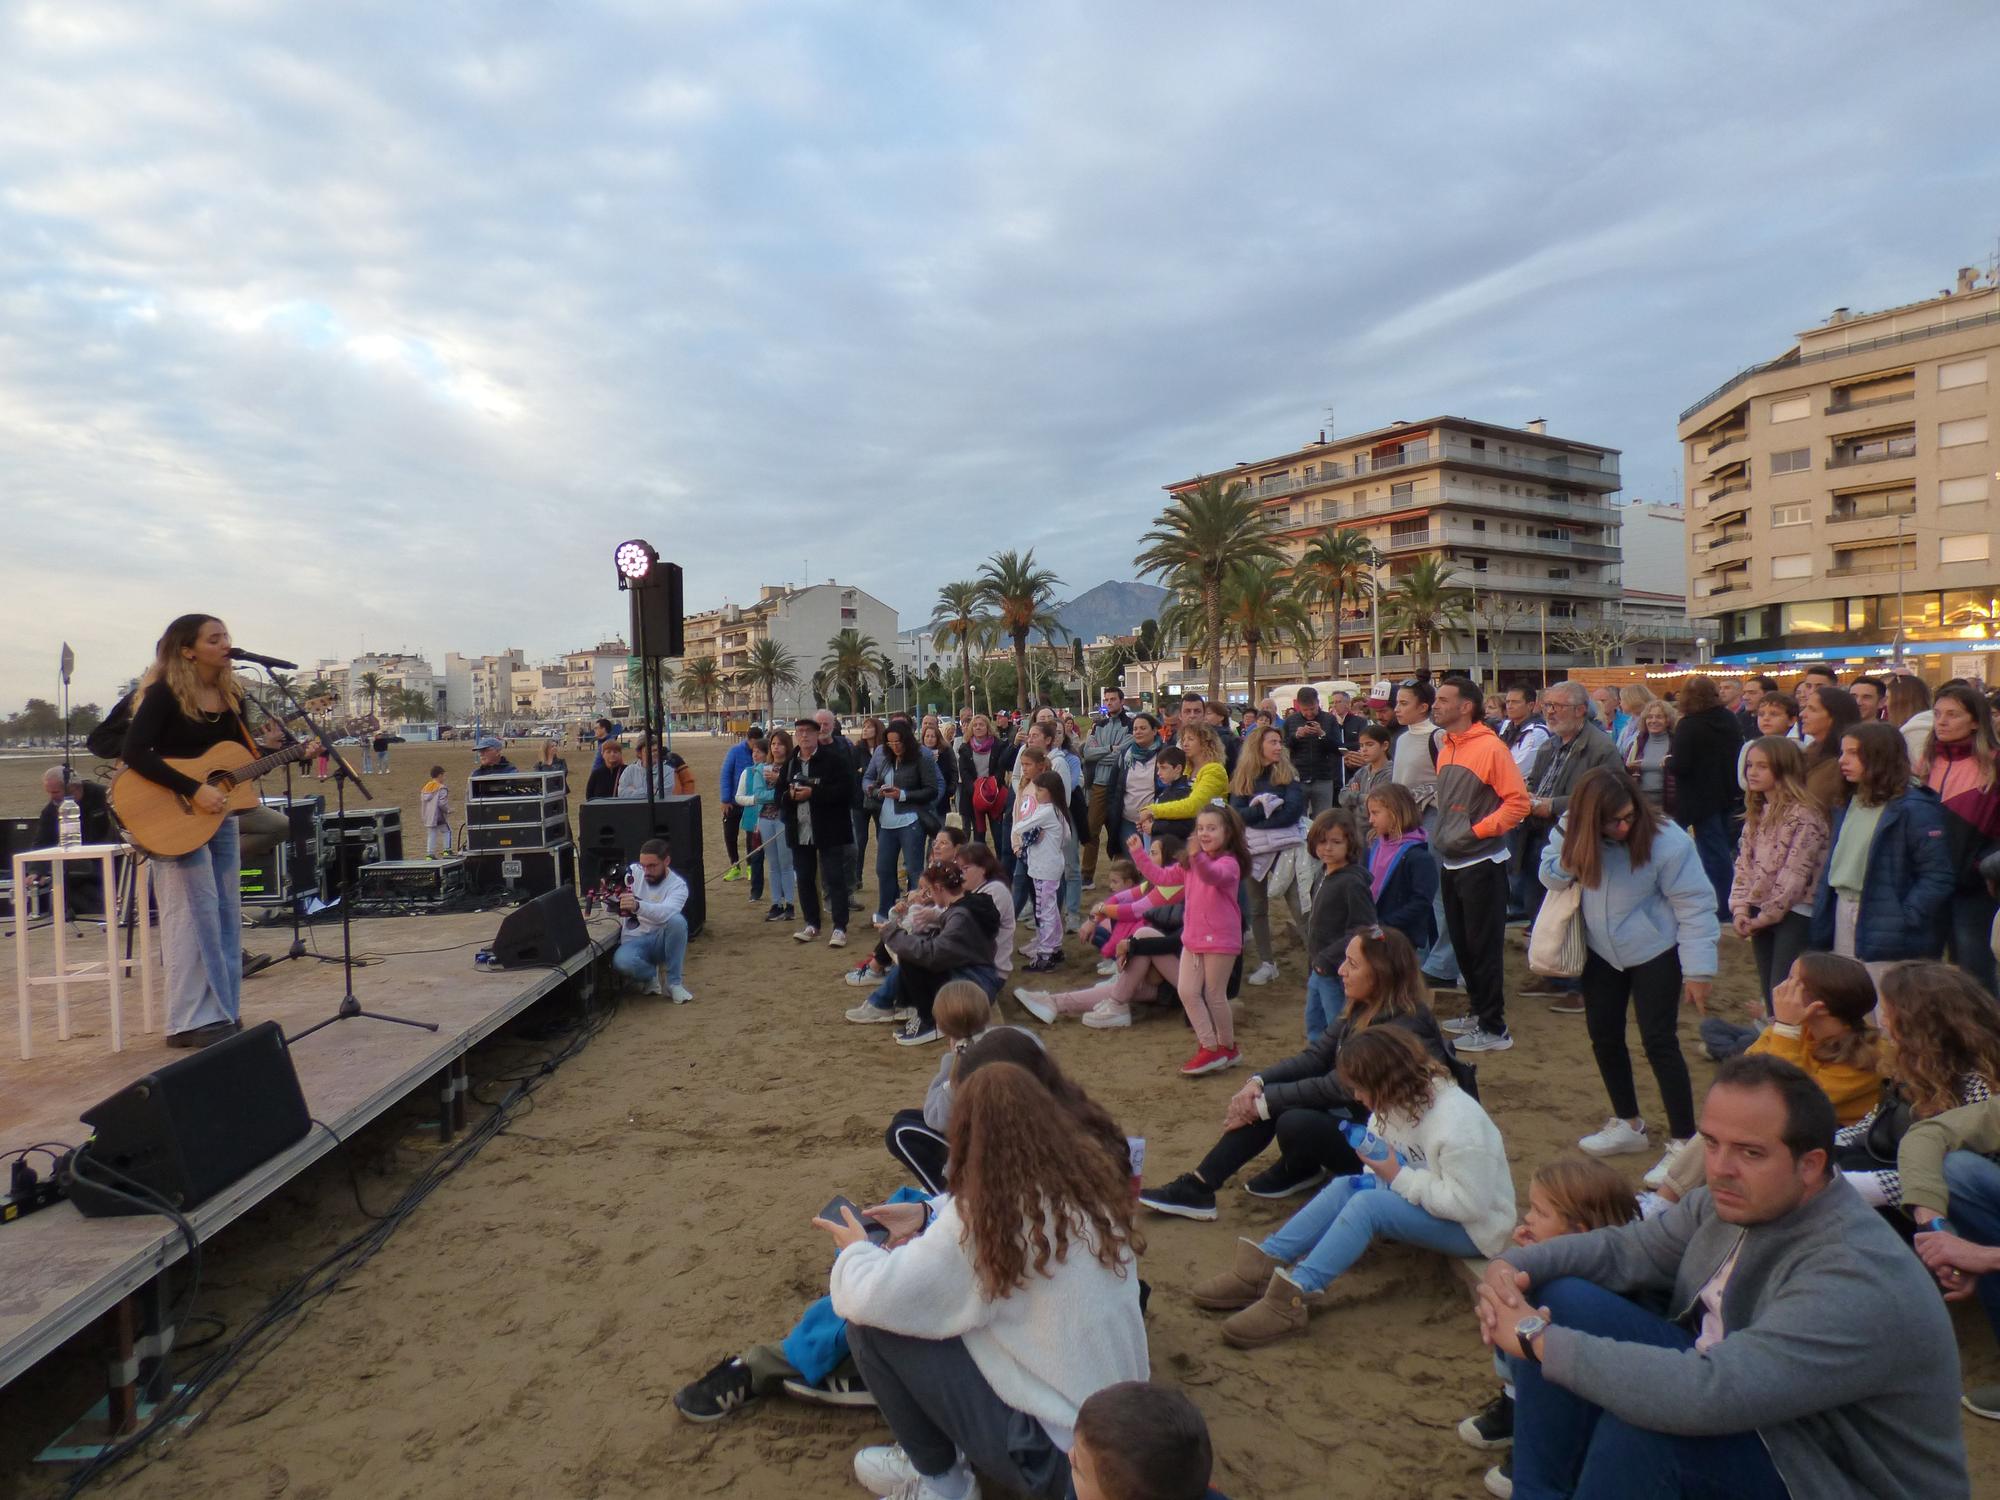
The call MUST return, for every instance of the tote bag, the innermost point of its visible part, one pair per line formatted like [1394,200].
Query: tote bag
[1555,945]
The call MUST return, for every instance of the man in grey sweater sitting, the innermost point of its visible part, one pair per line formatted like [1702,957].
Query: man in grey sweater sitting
[1804,1352]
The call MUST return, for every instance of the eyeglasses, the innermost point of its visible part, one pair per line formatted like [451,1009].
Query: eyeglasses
[1623,820]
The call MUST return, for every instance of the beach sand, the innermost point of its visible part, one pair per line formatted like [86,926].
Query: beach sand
[522,1333]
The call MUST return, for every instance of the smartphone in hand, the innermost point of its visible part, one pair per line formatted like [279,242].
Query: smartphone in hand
[878,1232]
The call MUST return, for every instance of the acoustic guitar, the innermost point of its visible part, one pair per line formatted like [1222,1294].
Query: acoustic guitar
[166,823]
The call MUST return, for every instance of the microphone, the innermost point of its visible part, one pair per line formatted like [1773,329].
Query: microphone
[276,663]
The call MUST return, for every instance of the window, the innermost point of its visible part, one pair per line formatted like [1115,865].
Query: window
[1478,564]
[1961,549]
[1969,607]
[849,614]
[1791,515]
[1791,408]
[1793,565]
[1790,459]
[1558,572]
[1402,491]
[1962,372]
[1822,618]
[1962,491]
[1478,525]
[1957,434]
[1480,443]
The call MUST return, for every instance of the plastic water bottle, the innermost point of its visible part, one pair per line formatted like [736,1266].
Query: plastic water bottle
[69,823]
[1367,1144]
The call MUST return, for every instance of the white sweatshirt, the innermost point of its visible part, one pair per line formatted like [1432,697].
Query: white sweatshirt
[1045,856]
[657,902]
[1457,1165]
[1045,1349]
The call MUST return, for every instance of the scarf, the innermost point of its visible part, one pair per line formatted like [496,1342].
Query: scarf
[981,747]
[1145,757]
[1382,858]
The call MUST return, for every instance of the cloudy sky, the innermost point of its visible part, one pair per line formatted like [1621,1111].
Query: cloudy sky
[381,323]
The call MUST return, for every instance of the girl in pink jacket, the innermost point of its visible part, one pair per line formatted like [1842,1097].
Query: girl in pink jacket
[1212,933]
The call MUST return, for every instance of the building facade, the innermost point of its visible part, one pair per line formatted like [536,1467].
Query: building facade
[396,671]
[802,622]
[593,680]
[1840,496]
[1522,519]
[479,689]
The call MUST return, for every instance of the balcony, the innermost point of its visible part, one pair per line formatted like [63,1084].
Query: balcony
[1845,566]
[1527,583]
[1724,441]
[1876,512]
[1721,540]
[1585,512]
[1734,487]
[1873,451]
[1493,541]
[1560,468]
[1838,407]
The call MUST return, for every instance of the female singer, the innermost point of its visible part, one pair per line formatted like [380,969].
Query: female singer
[189,702]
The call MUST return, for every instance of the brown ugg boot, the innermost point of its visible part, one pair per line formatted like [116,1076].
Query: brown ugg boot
[1280,1313]
[1239,1286]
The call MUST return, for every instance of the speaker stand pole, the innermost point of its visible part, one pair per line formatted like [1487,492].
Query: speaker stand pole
[349,1007]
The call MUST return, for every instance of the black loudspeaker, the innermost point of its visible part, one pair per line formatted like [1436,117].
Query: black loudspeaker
[192,1128]
[610,830]
[543,933]
[656,611]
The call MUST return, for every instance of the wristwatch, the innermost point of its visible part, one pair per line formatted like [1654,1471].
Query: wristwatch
[1527,1331]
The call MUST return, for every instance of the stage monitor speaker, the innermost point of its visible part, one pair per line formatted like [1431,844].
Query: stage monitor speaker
[656,611]
[611,829]
[543,933]
[193,1127]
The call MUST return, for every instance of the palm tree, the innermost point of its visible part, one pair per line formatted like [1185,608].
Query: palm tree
[1256,609]
[1195,541]
[851,659]
[371,684]
[770,666]
[701,678]
[1335,567]
[958,617]
[1424,606]
[1020,594]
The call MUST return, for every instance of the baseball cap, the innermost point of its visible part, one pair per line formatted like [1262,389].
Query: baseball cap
[486,742]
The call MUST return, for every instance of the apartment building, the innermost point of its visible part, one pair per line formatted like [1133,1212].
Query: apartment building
[392,671]
[479,689]
[801,620]
[1841,496]
[1522,519]
[593,679]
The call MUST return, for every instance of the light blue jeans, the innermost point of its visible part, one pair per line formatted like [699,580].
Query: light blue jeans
[1440,964]
[784,880]
[907,844]
[1329,1234]
[639,954]
[201,920]
[1326,998]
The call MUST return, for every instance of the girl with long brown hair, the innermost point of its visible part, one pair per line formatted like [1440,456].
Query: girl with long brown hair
[1779,859]
[1435,1176]
[1960,766]
[1648,914]
[1019,1301]
[1268,796]
[1888,876]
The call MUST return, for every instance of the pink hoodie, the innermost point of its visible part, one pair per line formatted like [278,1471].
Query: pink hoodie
[1214,921]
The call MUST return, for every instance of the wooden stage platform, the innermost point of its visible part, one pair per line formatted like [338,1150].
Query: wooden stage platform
[59,1271]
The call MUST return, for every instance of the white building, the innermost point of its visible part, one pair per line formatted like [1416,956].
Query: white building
[593,679]
[393,671]
[478,689]
[801,621]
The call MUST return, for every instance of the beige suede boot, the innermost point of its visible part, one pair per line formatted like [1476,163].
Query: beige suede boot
[1279,1314]
[1239,1286]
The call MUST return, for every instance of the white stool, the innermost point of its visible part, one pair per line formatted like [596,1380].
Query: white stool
[112,969]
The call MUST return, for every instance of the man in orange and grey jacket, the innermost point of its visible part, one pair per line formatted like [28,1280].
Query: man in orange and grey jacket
[1480,796]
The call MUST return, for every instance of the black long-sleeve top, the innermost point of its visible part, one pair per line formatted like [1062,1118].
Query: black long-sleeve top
[159,729]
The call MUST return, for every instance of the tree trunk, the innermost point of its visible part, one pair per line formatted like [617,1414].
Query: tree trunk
[1020,671]
[1250,670]
[1336,667]
[965,651]
[1211,602]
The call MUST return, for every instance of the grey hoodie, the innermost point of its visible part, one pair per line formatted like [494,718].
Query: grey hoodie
[1836,1348]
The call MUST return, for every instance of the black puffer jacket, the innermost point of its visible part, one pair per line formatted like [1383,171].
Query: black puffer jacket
[963,938]
[1705,746]
[1306,1079]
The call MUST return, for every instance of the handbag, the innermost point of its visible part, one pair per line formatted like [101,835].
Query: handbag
[1555,944]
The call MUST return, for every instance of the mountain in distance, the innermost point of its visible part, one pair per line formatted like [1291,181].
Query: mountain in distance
[1111,608]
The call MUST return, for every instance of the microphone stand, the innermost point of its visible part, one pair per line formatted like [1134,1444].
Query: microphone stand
[298,948]
[350,1007]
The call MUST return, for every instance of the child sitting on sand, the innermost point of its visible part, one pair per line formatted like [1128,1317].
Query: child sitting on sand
[916,1137]
[1107,1005]
[1118,915]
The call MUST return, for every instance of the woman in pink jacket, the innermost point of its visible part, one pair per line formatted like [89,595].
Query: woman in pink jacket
[1212,935]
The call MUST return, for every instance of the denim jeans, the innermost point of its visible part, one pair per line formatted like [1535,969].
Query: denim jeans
[858,861]
[1326,998]
[1565,1445]
[1330,1233]
[1974,1183]
[1718,859]
[886,995]
[1969,926]
[200,897]
[755,861]
[1070,897]
[1439,962]
[638,954]
[890,843]
[778,862]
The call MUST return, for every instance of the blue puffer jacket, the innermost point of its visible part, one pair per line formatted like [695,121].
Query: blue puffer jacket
[1907,886]
[1291,806]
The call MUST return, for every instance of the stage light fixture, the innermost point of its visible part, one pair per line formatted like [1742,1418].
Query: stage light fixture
[635,561]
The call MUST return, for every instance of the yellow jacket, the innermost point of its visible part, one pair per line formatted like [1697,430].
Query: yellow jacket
[1854,1091]
[1210,782]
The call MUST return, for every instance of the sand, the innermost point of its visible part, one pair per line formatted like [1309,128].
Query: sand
[523,1332]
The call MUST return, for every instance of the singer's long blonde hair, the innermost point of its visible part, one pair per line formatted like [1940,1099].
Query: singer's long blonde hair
[179,674]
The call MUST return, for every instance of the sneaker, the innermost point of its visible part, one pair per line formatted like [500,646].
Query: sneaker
[1207,1060]
[1983,1401]
[1547,989]
[863,978]
[888,1472]
[1263,974]
[1459,1025]
[1036,1004]
[652,987]
[1657,1178]
[844,1387]
[1106,969]
[1500,1479]
[865,1014]
[915,1033]
[805,934]
[733,873]
[1106,1016]
[1276,1182]
[680,994]
[1186,1197]
[722,1392]
[1616,1138]
[775,914]
[1571,1004]
[1478,1039]
[1442,986]
[878,923]
[1048,963]
[1492,1426]
[839,938]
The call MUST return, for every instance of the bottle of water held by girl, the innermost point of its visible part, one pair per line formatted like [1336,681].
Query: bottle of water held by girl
[1369,1147]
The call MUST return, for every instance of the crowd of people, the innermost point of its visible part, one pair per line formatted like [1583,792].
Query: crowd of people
[1762,1314]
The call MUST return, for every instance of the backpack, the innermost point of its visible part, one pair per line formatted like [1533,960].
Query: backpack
[683,777]
[107,740]
[988,796]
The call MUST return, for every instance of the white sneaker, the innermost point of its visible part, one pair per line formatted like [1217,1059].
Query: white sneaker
[1616,1138]
[1106,1018]
[805,934]
[839,938]
[1036,1004]
[888,1472]
[1264,973]
[680,994]
[879,922]
[652,987]
[1478,1039]
[865,1014]
[1658,1176]
[861,979]
[1106,969]
[1458,1025]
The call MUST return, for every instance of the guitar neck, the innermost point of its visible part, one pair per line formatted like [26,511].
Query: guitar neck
[268,763]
